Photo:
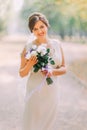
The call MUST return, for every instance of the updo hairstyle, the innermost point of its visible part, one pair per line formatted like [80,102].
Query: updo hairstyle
[34,18]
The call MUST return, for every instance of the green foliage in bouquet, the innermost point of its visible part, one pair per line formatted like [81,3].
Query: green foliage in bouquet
[43,61]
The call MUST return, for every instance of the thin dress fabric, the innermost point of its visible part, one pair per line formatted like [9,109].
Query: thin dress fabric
[41,106]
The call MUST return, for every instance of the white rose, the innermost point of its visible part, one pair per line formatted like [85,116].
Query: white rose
[28,55]
[33,53]
[43,52]
[34,47]
[41,49]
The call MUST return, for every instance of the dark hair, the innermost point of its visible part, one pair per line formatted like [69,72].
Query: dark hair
[35,17]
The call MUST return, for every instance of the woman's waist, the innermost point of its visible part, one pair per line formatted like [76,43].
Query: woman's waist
[35,79]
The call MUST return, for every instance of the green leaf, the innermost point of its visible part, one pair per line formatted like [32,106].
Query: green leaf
[52,62]
[39,65]
[46,62]
[42,64]
[48,50]
[36,69]
[50,58]
[49,80]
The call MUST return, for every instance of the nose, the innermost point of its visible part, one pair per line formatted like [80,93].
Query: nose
[39,30]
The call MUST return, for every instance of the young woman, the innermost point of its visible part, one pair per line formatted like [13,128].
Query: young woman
[41,105]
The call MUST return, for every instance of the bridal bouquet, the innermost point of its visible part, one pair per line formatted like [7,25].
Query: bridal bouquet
[44,59]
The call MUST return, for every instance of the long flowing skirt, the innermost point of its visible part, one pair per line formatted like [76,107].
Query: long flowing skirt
[41,106]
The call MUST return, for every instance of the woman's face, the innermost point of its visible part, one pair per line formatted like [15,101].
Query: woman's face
[40,30]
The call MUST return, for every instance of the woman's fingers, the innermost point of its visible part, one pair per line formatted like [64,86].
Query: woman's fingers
[33,60]
[44,72]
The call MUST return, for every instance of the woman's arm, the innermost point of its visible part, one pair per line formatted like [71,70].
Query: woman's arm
[58,70]
[61,70]
[26,65]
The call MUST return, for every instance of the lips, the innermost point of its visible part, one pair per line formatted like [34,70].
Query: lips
[41,34]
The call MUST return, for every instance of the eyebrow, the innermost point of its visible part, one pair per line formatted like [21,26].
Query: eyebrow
[40,27]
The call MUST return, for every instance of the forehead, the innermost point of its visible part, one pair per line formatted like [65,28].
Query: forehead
[38,24]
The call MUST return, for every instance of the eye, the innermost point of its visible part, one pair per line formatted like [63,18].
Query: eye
[35,29]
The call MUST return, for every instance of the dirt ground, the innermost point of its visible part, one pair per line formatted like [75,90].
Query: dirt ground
[72,92]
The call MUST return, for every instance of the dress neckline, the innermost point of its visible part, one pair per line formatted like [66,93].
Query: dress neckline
[38,44]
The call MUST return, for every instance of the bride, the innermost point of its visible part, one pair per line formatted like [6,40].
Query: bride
[41,104]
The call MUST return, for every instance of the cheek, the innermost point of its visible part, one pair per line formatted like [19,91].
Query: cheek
[35,33]
[45,30]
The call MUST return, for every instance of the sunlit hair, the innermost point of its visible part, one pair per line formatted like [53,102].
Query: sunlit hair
[34,18]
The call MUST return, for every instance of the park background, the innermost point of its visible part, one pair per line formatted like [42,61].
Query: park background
[68,23]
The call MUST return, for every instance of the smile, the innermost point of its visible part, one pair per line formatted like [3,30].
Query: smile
[41,34]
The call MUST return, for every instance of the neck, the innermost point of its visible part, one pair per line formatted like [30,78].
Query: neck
[42,40]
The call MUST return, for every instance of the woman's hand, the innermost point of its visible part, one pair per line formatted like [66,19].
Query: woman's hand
[45,72]
[54,72]
[32,61]
[26,65]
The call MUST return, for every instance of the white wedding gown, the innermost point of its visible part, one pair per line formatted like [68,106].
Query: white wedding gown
[41,106]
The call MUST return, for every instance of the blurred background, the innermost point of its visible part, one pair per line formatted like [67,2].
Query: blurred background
[68,23]
[67,17]
[68,20]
